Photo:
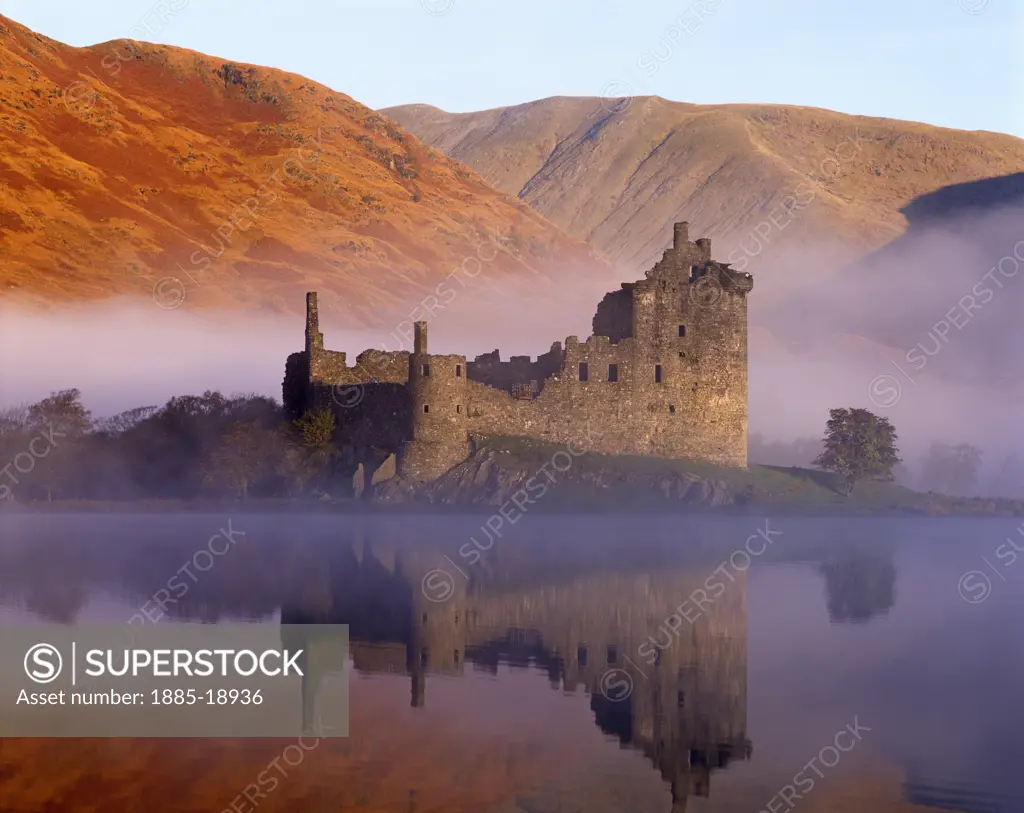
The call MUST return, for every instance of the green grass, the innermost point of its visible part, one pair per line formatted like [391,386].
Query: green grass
[781,488]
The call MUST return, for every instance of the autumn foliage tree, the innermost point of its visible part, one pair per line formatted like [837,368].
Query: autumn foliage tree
[858,445]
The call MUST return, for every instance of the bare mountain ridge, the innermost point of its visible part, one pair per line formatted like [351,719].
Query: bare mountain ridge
[753,177]
[126,167]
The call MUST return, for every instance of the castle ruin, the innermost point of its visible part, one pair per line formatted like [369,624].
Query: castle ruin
[664,374]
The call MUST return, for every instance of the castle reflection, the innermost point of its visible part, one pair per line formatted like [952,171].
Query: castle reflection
[596,608]
[671,688]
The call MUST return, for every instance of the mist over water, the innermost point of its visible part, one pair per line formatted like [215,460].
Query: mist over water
[909,333]
[945,295]
[924,331]
[831,622]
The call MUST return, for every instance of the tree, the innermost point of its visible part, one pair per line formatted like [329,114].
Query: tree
[951,469]
[1008,479]
[14,438]
[172,447]
[317,428]
[240,457]
[312,452]
[14,420]
[60,424]
[62,411]
[858,445]
[125,421]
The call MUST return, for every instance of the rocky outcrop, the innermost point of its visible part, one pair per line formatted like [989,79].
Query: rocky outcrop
[493,478]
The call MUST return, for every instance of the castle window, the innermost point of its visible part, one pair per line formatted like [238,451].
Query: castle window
[682,331]
[672,408]
[584,371]
[426,370]
[613,655]
[423,657]
[458,371]
[613,373]
[581,656]
[458,408]
[426,407]
[682,355]
[424,619]
[657,373]
[681,699]
[456,657]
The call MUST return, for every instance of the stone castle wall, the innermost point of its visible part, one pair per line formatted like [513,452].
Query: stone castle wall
[664,374]
[437,392]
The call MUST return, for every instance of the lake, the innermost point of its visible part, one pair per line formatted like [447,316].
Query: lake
[569,664]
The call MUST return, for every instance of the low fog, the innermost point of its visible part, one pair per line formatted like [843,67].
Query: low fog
[907,333]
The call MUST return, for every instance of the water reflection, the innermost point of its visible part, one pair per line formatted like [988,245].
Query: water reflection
[606,618]
[685,710]
[859,588]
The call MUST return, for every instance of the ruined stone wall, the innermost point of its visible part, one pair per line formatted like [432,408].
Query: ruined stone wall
[695,407]
[673,384]
[495,412]
[503,375]
[370,400]
[614,317]
[330,368]
[296,388]
[665,375]
[329,375]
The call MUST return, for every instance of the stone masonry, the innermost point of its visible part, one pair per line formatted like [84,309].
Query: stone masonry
[664,374]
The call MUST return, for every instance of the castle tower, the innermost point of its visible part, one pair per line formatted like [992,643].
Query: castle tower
[438,394]
[314,338]
[688,320]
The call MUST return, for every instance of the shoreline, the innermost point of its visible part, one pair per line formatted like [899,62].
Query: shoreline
[355,507]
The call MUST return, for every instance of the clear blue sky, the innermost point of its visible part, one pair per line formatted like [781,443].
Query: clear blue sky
[955,63]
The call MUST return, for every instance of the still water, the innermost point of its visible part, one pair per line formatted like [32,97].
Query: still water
[574,664]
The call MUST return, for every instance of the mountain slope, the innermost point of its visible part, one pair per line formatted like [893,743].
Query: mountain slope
[617,172]
[946,293]
[127,167]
